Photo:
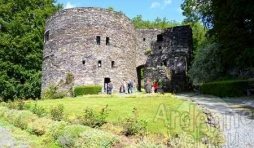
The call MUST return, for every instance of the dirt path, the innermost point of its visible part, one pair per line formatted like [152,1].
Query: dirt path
[236,121]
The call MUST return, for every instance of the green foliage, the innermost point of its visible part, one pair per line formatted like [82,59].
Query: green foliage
[93,119]
[38,110]
[157,23]
[57,113]
[52,92]
[70,134]
[111,8]
[69,78]
[230,88]
[39,126]
[21,43]
[207,64]
[85,90]
[133,126]
[55,129]
[148,51]
[230,24]
[96,138]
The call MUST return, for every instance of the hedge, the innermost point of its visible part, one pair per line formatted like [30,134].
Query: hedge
[230,88]
[85,90]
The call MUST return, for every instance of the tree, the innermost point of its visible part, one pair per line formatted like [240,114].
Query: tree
[231,23]
[21,44]
[207,64]
[157,23]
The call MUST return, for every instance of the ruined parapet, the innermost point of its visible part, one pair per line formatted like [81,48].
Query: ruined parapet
[170,55]
[95,45]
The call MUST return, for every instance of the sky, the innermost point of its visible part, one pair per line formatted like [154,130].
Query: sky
[149,9]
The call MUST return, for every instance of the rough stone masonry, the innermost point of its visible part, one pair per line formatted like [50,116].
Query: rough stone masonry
[97,45]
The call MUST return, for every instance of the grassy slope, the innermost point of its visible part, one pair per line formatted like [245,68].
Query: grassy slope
[146,105]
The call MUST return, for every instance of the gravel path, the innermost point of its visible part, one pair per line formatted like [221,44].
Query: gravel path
[236,118]
[7,141]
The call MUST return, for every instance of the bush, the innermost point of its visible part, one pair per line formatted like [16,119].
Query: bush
[230,88]
[38,110]
[133,126]
[55,130]
[96,138]
[70,134]
[207,65]
[39,126]
[93,119]
[52,92]
[57,112]
[84,90]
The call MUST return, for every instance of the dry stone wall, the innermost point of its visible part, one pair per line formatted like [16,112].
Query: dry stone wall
[73,47]
[96,45]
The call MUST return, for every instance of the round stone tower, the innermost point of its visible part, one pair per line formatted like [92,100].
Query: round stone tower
[95,45]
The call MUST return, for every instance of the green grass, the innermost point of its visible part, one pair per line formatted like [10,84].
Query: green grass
[181,114]
[26,138]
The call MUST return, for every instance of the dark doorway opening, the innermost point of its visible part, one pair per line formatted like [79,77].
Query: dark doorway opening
[140,74]
[106,81]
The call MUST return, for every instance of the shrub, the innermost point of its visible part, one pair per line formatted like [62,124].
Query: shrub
[38,110]
[19,118]
[39,126]
[96,138]
[69,78]
[55,130]
[207,65]
[70,134]
[93,119]
[52,92]
[133,126]
[57,112]
[84,90]
[230,88]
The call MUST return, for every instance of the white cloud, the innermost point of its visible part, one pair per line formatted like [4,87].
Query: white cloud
[69,5]
[167,2]
[155,5]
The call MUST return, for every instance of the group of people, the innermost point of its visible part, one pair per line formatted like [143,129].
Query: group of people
[127,87]
[152,87]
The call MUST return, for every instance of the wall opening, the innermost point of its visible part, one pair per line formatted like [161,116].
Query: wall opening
[106,81]
[112,64]
[99,63]
[98,40]
[159,47]
[159,38]
[107,40]
[140,75]
[46,36]
[84,62]
[164,63]
[144,39]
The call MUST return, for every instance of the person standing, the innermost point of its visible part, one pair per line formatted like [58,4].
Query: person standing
[155,86]
[130,87]
[148,86]
[125,84]
[110,87]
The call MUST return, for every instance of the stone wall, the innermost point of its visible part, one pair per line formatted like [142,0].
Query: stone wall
[145,38]
[71,47]
[94,43]
[170,56]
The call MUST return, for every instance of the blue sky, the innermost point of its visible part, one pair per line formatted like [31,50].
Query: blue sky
[149,9]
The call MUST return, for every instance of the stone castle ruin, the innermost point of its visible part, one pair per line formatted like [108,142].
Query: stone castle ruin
[96,45]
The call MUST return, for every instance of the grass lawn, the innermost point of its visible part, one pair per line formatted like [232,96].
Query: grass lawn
[158,110]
